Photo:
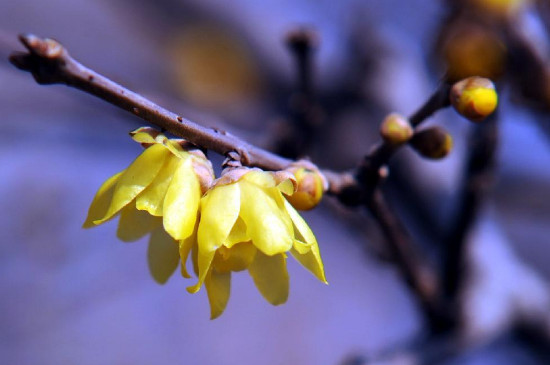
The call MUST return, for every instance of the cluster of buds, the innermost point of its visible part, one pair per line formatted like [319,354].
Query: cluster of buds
[475,98]
[244,220]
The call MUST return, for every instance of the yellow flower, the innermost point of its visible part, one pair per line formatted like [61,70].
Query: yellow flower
[159,193]
[246,223]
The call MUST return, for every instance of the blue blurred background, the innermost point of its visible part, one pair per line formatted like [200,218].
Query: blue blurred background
[74,296]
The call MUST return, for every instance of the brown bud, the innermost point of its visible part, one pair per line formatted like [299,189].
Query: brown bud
[433,142]
[396,129]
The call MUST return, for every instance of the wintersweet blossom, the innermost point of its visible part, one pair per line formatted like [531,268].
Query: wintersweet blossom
[159,193]
[246,223]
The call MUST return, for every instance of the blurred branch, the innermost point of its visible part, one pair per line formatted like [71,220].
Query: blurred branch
[299,130]
[419,276]
[477,179]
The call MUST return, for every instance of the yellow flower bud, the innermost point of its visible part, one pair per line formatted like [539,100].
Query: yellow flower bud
[310,185]
[474,98]
[433,142]
[473,50]
[500,8]
[396,129]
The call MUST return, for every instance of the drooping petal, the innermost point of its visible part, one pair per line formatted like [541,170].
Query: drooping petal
[186,246]
[266,225]
[218,287]
[101,201]
[219,212]
[136,178]
[204,260]
[152,198]
[181,203]
[302,231]
[271,277]
[162,255]
[134,224]
[311,261]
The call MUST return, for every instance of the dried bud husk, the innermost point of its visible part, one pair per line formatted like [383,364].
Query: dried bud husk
[475,98]
[433,142]
[396,129]
[311,184]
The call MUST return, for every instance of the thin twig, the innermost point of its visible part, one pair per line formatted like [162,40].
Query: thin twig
[418,274]
[50,63]
[368,173]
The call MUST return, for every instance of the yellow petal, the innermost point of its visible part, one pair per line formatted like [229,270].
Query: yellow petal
[237,234]
[302,231]
[270,276]
[305,249]
[204,261]
[218,287]
[162,255]
[260,178]
[236,258]
[287,187]
[311,261]
[265,221]
[219,212]
[101,201]
[186,246]
[134,224]
[152,198]
[136,178]
[181,203]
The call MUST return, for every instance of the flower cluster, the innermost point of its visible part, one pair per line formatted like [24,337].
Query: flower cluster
[240,221]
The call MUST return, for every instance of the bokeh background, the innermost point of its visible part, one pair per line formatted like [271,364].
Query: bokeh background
[74,296]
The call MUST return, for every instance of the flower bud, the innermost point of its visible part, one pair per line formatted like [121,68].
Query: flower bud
[310,185]
[474,98]
[396,129]
[500,8]
[433,142]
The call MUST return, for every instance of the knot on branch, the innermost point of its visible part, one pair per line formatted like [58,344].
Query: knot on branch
[44,59]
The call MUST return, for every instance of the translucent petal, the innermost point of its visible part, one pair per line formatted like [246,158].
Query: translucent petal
[302,231]
[219,211]
[237,234]
[236,258]
[101,201]
[311,261]
[186,246]
[266,225]
[260,178]
[287,187]
[134,224]
[270,276]
[136,178]
[152,198]
[162,255]
[218,286]
[204,261]
[181,203]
